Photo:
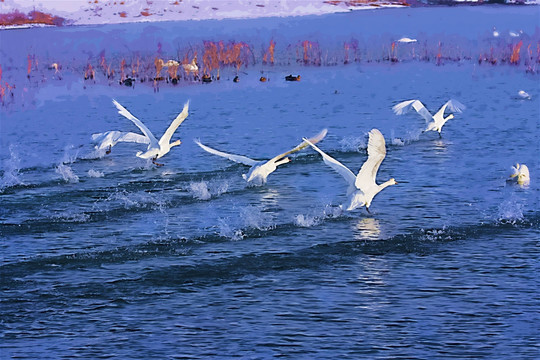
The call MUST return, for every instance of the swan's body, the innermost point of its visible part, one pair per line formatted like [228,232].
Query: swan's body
[406,40]
[108,139]
[434,122]
[259,171]
[521,173]
[191,67]
[362,187]
[524,95]
[156,149]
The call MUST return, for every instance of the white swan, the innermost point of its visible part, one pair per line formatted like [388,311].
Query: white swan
[521,172]
[406,40]
[261,169]
[107,140]
[434,122]
[362,187]
[524,95]
[156,149]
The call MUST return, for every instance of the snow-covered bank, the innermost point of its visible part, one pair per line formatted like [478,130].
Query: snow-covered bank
[86,12]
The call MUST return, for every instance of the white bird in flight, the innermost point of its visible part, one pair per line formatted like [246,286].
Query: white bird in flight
[434,122]
[521,172]
[261,169]
[156,149]
[362,187]
[107,140]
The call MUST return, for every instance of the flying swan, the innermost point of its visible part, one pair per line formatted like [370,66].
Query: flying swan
[362,187]
[434,122]
[261,169]
[156,149]
[521,172]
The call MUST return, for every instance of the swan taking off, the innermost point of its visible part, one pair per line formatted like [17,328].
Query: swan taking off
[156,149]
[108,139]
[521,172]
[434,122]
[261,169]
[362,187]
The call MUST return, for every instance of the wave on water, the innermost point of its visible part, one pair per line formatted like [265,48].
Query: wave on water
[11,168]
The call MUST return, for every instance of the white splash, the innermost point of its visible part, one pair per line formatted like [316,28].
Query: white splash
[10,177]
[226,230]
[95,173]
[200,191]
[306,220]
[353,143]
[67,173]
[203,190]
[510,210]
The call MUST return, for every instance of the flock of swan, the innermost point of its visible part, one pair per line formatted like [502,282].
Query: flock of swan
[362,187]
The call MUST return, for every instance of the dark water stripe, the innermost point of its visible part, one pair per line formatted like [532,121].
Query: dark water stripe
[418,241]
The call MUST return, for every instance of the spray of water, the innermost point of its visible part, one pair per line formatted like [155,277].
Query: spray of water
[95,173]
[11,168]
[203,190]
[353,143]
[67,173]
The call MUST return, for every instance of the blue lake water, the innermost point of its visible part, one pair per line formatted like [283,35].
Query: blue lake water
[112,257]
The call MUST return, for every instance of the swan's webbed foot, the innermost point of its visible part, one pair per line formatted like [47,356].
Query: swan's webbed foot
[109,150]
[440,136]
[156,163]
[367,209]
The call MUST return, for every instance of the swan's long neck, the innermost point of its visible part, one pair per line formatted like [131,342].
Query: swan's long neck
[176,143]
[385,184]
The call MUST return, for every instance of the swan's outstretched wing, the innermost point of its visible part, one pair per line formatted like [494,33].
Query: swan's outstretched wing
[405,106]
[315,139]
[123,111]
[376,153]
[452,105]
[236,158]
[110,138]
[166,138]
[334,164]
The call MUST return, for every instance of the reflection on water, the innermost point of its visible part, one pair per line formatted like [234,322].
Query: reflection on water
[367,229]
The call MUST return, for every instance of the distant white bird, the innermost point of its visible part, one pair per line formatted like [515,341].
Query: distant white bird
[406,40]
[362,187]
[107,140]
[521,172]
[516,33]
[261,169]
[434,122]
[156,149]
[495,32]
[524,95]
[191,67]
